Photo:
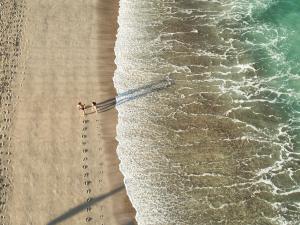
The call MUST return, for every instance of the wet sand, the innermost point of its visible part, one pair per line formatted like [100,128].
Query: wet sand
[64,167]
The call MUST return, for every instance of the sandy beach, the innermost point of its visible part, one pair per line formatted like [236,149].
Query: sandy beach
[64,168]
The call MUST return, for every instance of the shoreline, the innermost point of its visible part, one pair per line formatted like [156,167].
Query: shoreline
[64,167]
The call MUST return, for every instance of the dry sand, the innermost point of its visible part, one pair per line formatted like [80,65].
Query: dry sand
[64,167]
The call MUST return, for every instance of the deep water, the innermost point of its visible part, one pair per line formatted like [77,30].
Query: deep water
[221,145]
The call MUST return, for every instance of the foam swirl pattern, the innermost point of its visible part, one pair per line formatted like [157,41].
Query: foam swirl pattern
[222,145]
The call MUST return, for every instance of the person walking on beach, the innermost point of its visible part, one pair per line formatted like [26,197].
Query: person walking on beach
[94,104]
[81,107]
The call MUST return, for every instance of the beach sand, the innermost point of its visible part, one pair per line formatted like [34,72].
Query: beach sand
[64,168]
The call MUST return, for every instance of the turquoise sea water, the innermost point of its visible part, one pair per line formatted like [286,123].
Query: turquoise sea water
[222,145]
[275,36]
[282,61]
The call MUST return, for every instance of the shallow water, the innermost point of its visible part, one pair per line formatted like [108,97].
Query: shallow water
[222,145]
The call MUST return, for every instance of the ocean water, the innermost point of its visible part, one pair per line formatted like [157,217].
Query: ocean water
[222,144]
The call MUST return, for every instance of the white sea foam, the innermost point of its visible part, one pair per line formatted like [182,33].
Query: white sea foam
[219,142]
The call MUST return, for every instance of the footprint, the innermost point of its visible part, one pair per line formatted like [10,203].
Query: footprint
[87,183]
[85,166]
[88,219]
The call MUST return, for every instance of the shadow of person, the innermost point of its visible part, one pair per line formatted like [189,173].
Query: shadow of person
[73,211]
[106,105]
[134,94]
[130,223]
[89,113]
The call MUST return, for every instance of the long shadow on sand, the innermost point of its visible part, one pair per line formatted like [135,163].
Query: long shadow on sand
[134,94]
[130,223]
[79,208]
